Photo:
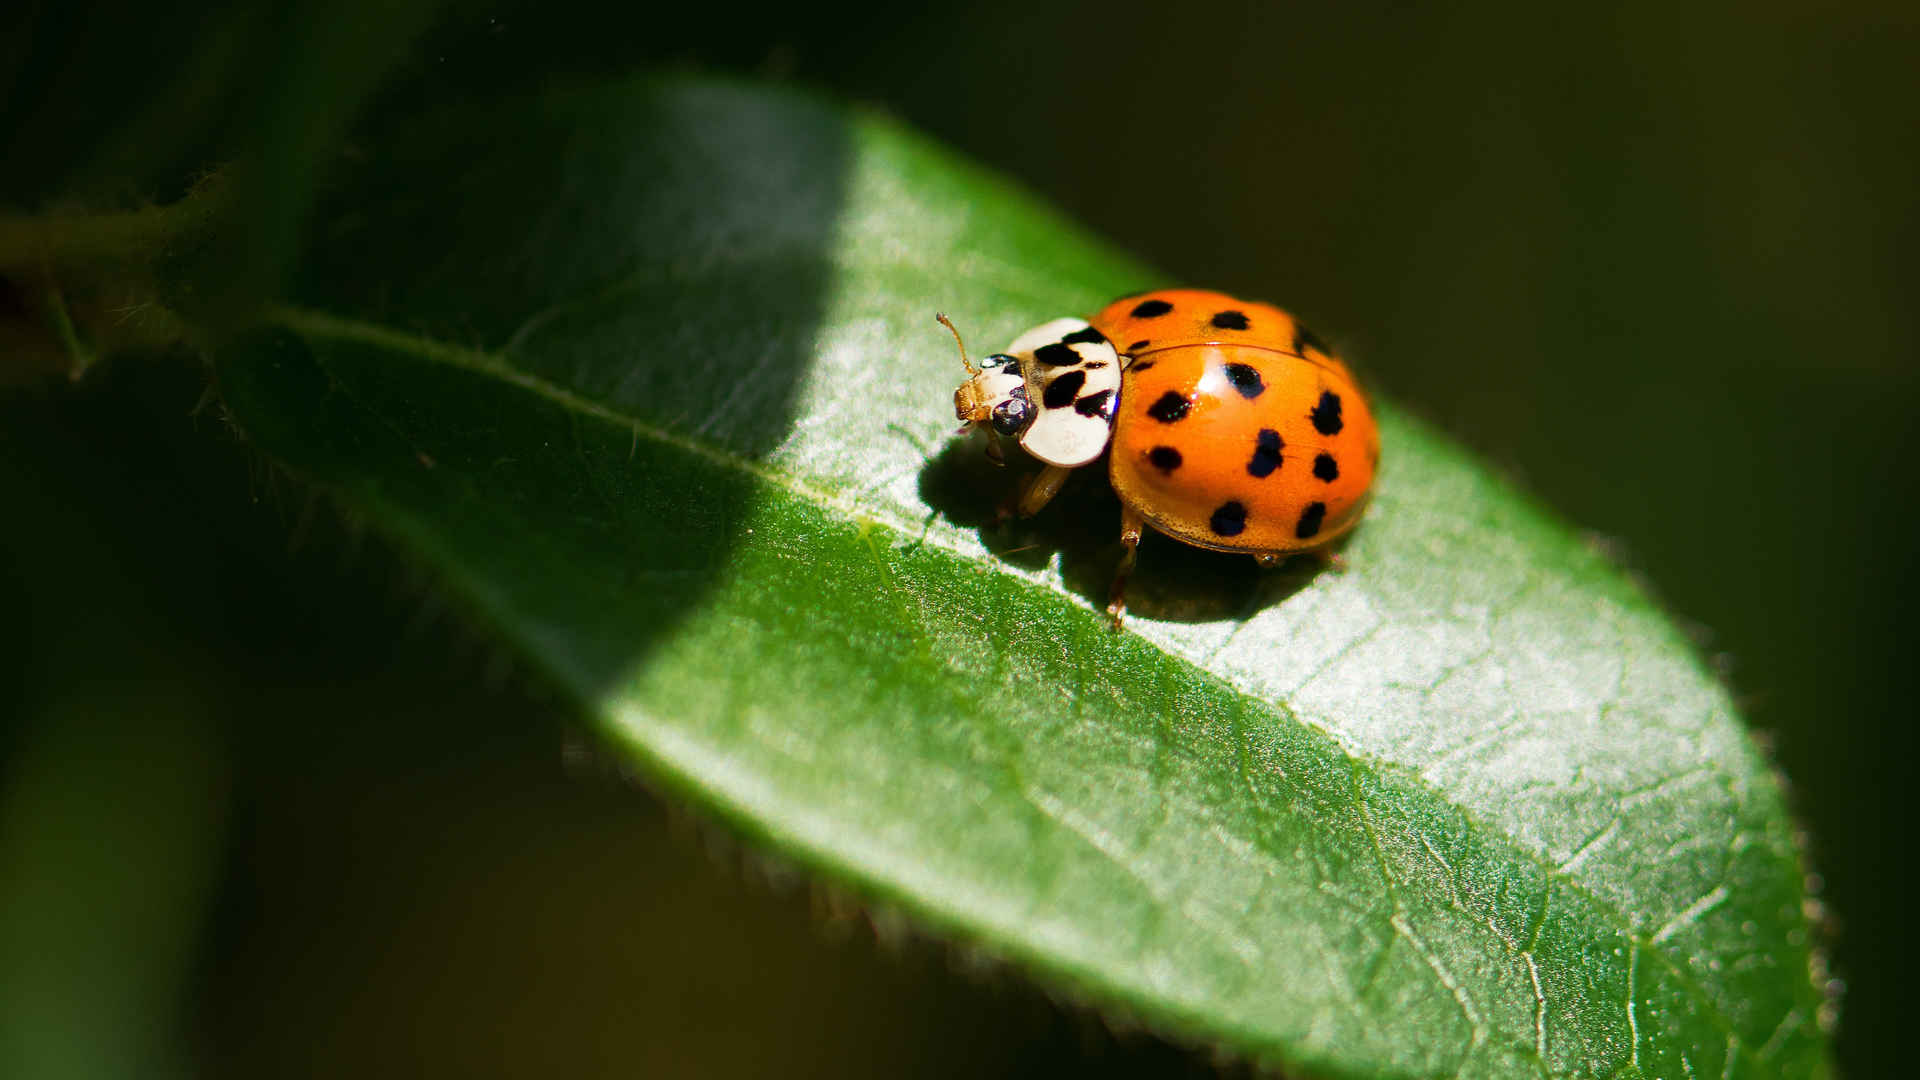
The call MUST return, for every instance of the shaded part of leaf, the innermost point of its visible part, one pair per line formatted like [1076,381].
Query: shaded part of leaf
[620,540]
[669,256]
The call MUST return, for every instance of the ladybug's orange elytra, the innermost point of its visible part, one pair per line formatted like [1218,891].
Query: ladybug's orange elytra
[1238,429]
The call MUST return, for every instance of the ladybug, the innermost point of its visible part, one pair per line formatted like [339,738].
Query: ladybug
[1227,424]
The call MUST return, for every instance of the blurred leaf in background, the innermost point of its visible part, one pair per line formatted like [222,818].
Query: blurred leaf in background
[1654,260]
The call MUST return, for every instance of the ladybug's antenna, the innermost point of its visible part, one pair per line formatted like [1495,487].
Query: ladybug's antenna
[972,369]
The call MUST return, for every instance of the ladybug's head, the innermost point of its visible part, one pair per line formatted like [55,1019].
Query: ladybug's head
[993,398]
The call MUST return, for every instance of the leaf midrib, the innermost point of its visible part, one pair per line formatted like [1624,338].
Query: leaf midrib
[312,323]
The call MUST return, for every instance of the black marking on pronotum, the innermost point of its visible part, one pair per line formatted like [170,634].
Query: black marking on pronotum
[1056,355]
[1098,405]
[1060,392]
[1164,458]
[1171,407]
[1138,345]
[1229,520]
[1151,309]
[1326,415]
[1304,339]
[1325,468]
[1310,520]
[1266,453]
[1011,369]
[1085,336]
[1230,320]
[1246,379]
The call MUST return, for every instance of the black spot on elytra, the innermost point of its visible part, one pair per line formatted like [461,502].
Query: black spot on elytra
[1326,415]
[1056,355]
[1164,458]
[1060,392]
[1229,520]
[1304,339]
[1151,309]
[1086,336]
[1325,468]
[1097,405]
[1230,320]
[1171,407]
[1246,379]
[1141,365]
[1310,520]
[1266,453]
[1138,345]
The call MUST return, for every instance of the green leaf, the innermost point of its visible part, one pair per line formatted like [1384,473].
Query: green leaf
[648,374]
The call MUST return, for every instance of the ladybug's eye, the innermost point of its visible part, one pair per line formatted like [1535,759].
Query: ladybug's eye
[1010,417]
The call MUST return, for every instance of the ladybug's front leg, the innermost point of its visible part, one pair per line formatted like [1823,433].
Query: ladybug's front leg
[1131,522]
[1035,495]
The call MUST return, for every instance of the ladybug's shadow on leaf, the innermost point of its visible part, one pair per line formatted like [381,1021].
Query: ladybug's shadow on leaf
[1171,581]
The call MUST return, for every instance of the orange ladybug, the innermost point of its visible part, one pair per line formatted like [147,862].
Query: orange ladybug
[1227,424]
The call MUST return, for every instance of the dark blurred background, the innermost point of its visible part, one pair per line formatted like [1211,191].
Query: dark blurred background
[1656,261]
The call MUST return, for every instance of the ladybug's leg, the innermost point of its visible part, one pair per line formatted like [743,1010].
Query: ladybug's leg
[1043,489]
[1037,494]
[994,453]
[1131,522]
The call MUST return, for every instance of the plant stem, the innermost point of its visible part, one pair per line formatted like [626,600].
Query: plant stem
[64,243]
